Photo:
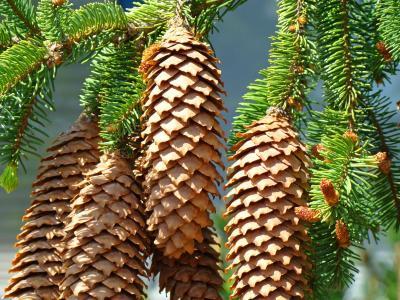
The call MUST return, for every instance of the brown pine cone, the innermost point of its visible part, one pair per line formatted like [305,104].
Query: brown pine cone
[183,139]
[37,267]
[267,242]
[105,236]
[193,276]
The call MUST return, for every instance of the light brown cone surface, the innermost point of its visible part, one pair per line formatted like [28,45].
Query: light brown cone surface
[193,276]
[37,267]
[266,239]
[106,239]
[183,140]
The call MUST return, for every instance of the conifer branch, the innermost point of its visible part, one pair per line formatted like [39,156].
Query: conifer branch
[341,35]
[290,76]
[341,187]
[51,19]
[113,91]
[389,21]
[6,38]
[24,11]
[21,115]
[94,18]
[352,99]
[19,61]
[379,114]
[89,27]
[387,139]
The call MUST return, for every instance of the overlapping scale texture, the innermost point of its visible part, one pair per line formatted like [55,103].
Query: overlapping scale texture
[193,276]
[183,140]
[37,267]
[105,239]
[267,242]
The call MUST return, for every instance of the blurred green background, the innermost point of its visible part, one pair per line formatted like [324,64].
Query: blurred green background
[242,44]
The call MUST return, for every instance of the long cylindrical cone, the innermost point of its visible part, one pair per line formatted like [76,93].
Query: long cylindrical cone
[267,242]
[183,139]
[37,267]
[106,240]
[192,276]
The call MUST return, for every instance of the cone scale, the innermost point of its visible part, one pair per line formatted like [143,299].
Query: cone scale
[37,268]
[183,139]
[193,276]
[266,239]
[106,242]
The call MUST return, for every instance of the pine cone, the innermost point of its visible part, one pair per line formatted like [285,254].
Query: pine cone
[183,139]
[37,267]
[106,241]
[193,276]
[267,241]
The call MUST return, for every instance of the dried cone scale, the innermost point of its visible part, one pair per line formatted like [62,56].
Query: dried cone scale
[266,240]
[106,240]
[37,267]
[193,276]
[183,139]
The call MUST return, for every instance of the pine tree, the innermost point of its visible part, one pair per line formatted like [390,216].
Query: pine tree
[183,138]
[37,268]
[152,111]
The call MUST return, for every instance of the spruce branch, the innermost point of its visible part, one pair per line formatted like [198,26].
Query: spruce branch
[389,21]
[387,139]
[21,13]
[51,19]
[6,37]
[22,119]
[94,18]
[90,27]
[345,172]
[291,74]
[380,116]
[341,38]
[151,16]
[113,92]
[19,61]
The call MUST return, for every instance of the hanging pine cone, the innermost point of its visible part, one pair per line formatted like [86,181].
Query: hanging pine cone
[192,276]
[266,240]
[105,237]
[37,267]
[183,139]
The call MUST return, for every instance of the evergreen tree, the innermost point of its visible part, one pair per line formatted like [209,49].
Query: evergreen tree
[296,225]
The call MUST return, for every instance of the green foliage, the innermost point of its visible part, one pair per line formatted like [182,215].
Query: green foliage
[351,170]
[23,117]
[204,13]
[342,41]
[380,68]
[6,36]
[51,19]
[20,15]
[291,74]
[94,18]
[386,137]
[389,23]
[18,61]
[92,27]
[151,16]
[350,63]
[113,91]
[344,33]
[9,178]
[334,267]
